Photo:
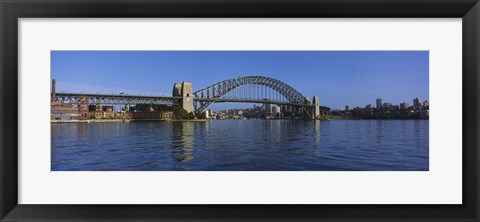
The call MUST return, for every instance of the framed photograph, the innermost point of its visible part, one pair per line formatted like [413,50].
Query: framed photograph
[223,110]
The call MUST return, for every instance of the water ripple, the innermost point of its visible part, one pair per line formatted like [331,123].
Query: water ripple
[233,145]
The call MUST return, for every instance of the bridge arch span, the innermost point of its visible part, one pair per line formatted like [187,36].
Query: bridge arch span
[220,89]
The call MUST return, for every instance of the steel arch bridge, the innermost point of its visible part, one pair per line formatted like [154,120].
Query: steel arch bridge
[243,89]
[250,89]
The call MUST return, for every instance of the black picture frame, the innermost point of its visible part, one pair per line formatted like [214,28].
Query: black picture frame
[12,10]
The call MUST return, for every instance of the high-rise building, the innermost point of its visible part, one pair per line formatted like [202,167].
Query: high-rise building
[404,105]
[425,104]
[379,103]
[417,102]
[347,108]
[268,108]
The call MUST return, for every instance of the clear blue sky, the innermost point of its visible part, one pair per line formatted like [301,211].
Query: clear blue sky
[339,78]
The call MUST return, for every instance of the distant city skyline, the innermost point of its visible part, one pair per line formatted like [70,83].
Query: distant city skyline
[339,78]
[378,105]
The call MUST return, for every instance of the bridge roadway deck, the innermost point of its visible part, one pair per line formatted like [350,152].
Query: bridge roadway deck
[122,99]
[220,100]
[117,99]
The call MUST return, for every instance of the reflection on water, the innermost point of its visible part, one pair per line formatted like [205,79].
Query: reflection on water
[317,131]
[242,145]
[183,141]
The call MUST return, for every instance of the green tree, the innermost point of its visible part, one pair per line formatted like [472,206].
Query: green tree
[181,113]
[201,115]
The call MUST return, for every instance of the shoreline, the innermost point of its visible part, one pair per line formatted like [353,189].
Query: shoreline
[189,120]
[125,120]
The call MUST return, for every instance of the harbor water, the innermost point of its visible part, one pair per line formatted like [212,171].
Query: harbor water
[242,145]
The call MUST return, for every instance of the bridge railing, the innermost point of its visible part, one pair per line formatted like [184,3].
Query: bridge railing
[116,99]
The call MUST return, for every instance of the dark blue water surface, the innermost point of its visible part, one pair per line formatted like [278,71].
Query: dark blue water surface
[242,145]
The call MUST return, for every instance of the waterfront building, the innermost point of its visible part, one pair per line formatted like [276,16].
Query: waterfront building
[387,105]
[425,104]
[162,115]
[83,104]
[63,111]
[276,109]
[404,105]
[417,102]
[347,108]
[424,114]
[268,108]
[107,109]
[379,103]
[207,114]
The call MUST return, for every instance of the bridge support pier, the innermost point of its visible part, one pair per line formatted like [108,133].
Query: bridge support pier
[184,90]
[316,108]
[187,96]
